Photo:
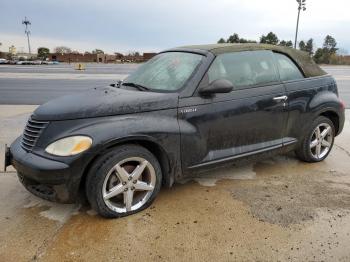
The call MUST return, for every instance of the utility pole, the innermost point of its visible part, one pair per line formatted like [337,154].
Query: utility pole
[301,6]
[26,22]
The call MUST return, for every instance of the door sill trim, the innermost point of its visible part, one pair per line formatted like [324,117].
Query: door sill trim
[237,156]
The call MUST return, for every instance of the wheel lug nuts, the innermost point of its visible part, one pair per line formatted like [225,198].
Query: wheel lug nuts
[126,189]
[124,183]
[132,188]
[135,181]
[129,178]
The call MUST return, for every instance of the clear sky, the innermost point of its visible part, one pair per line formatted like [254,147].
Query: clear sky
[146,25]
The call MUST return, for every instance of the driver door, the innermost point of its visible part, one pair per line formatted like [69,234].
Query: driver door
[248,120]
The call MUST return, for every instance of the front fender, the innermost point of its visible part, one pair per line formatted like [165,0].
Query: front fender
[160,128]
[169,160]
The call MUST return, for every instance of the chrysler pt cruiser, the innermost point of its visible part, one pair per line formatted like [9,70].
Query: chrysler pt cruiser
[186,110]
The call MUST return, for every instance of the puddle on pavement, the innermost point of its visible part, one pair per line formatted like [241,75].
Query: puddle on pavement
[285,191]
[53,211]
[187,219]
[27,223]
[203,223]
[325,239]
[276,209]
[288,191]
[238,173]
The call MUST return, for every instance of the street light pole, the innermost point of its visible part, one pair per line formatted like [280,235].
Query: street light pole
[301,6]
[26,22]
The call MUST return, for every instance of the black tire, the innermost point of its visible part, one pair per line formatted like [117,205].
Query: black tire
[100,169]
[304,151]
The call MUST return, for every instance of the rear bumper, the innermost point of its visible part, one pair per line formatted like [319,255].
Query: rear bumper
[46,178]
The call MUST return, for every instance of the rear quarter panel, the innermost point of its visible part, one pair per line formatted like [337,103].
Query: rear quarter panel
[308,98]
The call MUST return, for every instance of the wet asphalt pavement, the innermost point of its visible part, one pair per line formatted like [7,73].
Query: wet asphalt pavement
[278,209]
[36,84]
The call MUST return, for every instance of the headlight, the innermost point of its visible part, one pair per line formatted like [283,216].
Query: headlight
[69,146]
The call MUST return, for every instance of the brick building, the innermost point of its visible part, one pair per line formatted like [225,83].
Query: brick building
[85,58]
[138,58]
[98,58]
[4,55]
[148,56]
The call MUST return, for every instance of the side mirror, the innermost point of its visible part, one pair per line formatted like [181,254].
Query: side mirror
[217,86]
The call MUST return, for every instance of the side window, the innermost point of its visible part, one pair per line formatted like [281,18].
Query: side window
[244,69]
[287,68]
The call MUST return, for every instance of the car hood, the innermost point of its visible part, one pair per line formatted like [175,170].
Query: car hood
[104,102]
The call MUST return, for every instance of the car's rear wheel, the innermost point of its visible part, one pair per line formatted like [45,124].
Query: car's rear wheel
[124,181]
[318,142]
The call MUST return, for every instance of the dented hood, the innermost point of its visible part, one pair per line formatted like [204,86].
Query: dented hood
[104,102]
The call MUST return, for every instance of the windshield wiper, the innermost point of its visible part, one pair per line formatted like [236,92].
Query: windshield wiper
[117,84]
[139,87]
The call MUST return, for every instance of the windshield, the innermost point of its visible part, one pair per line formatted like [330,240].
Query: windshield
[166,71]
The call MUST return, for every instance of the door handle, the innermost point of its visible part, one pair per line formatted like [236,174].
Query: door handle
[279,98]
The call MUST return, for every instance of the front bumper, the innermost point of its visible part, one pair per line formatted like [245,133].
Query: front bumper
[7,158]
[46,178]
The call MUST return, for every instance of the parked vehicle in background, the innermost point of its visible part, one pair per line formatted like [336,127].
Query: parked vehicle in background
[50,62]
[186,110]
[25,62]
[33,62]
[3,61]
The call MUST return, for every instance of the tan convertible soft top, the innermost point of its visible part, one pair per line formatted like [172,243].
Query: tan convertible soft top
[304,61]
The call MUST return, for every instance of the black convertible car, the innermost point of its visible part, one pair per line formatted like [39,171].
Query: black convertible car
[185,110]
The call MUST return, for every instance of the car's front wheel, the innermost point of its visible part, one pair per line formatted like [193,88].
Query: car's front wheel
[123,181]
[318,142]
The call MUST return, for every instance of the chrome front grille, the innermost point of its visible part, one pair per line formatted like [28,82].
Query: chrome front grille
[31,133]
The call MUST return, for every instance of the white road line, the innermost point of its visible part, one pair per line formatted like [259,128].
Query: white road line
[342,77]
[60,76]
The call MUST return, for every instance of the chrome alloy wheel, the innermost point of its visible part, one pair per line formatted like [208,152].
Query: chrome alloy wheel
[129,184]
[321,140]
